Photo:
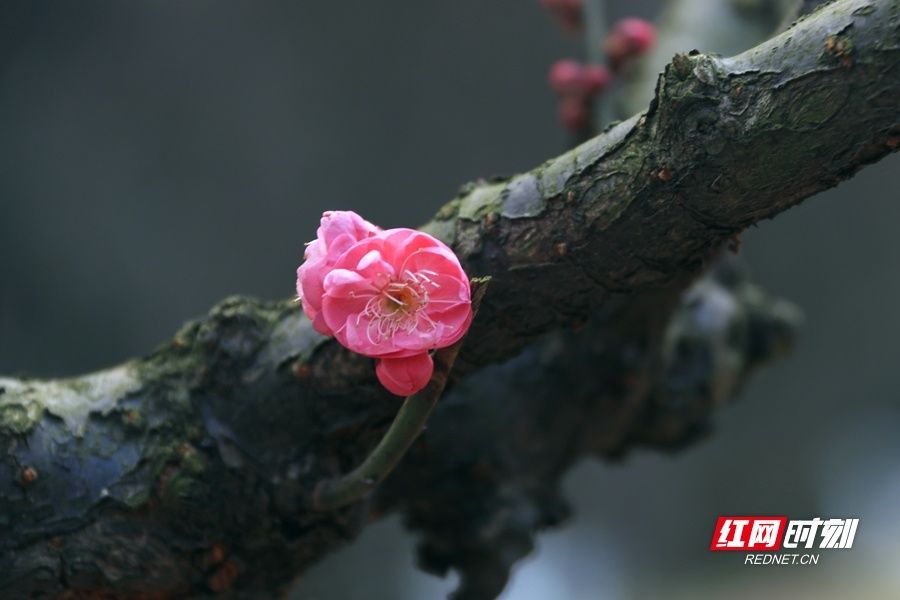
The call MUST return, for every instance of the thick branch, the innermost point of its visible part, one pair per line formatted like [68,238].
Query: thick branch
[725,143]
[187,472]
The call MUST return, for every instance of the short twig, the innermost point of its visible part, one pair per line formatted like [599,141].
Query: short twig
[343,490]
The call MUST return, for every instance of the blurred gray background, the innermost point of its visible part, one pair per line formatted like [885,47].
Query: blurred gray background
[158,156]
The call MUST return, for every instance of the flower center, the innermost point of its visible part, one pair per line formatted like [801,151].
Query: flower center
[399,296]
[399,306]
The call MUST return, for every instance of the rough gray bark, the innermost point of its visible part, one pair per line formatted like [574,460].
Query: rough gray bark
[188,472]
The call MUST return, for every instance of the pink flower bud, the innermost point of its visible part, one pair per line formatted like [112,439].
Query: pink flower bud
[617,49]
[595,79]
[573,113]
[565,77]
[405,376]
[638,33]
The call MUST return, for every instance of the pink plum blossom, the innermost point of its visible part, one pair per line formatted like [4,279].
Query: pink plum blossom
[393,295]
[338,230]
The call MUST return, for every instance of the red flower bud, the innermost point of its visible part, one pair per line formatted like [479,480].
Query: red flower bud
[595,79]
[566,76]
[567,12]
[638,33]
[615,46]
[573,113]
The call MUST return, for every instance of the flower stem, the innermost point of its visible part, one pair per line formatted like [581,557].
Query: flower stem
[345,489]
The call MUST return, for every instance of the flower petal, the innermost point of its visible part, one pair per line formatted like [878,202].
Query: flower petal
[374,267]
[345,299]
[336,223]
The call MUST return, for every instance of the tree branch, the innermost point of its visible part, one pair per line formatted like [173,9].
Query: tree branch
[188,472]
